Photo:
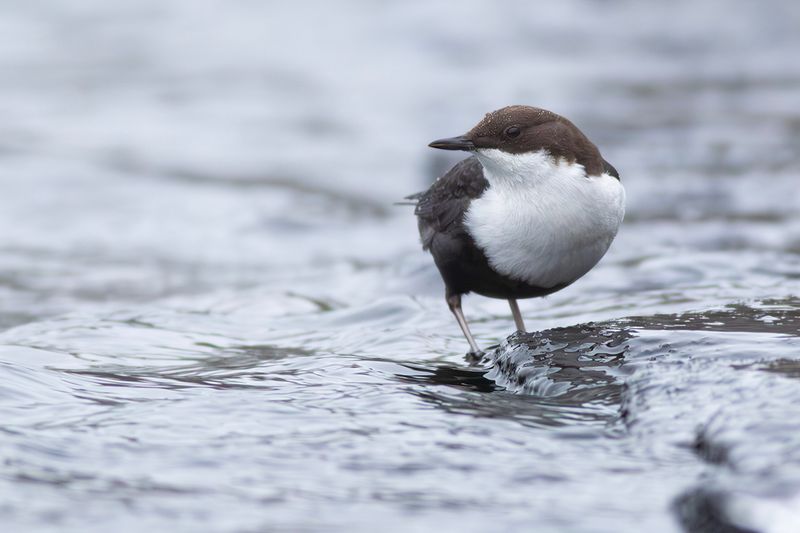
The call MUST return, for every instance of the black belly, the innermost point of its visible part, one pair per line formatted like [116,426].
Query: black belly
[465,268]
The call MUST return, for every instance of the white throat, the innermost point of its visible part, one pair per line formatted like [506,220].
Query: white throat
[543,221]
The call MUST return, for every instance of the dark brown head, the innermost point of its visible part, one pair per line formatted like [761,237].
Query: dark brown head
[520,129]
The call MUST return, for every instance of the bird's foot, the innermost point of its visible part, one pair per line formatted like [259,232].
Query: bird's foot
[474,357]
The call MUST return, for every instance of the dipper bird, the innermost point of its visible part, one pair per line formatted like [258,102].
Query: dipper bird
[532,210]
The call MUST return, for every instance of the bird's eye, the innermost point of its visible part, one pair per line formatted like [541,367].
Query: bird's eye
[512,132]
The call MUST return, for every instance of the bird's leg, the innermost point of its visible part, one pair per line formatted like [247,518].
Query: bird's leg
[454,302]
[517,315]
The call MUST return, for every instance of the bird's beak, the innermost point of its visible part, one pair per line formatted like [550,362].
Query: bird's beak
[461,142]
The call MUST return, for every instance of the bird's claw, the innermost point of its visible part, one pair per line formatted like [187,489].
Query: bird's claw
[474,357]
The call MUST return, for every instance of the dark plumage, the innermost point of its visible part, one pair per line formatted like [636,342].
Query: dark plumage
[440,218]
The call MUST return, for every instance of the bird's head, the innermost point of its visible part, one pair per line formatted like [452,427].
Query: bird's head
[507,139]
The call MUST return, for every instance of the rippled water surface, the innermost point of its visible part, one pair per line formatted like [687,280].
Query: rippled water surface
[213,317]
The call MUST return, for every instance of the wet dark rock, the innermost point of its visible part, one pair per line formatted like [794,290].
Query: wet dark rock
[580,361]
[709,449]
[571,362]
[663,374]
[703,511]
[787,367]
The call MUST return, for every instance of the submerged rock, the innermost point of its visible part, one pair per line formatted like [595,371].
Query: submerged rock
[559,361]
[719,386]
[583,357]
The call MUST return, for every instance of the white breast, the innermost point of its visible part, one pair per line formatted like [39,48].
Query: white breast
[541,221]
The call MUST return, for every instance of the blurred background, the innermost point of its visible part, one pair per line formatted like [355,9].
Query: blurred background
[212,315]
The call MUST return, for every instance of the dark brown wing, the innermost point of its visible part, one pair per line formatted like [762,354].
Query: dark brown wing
[445,203]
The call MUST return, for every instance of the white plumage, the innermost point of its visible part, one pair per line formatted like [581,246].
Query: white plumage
[543,221]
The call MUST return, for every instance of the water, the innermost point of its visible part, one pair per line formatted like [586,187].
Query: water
[213,318]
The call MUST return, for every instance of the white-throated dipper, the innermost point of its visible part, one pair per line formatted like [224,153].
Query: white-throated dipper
[533,210]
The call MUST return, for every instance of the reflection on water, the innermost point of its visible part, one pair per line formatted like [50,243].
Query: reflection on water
[213,317]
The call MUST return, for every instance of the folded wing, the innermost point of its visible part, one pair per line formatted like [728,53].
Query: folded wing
[441,208]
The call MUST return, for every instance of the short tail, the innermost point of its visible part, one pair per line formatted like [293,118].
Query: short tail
[414,199]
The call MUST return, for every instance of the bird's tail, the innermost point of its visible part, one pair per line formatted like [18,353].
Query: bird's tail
[413,199]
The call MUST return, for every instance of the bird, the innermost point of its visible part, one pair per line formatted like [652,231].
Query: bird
[531,210]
